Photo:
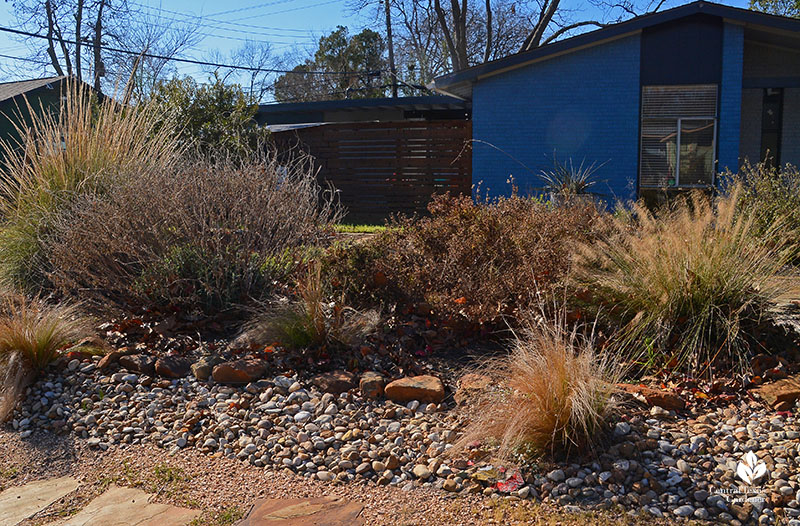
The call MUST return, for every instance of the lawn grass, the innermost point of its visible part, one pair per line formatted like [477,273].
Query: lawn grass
[359,229]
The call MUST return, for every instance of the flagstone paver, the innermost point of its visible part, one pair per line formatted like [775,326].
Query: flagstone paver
[129,507]
[325,511]
[20,502]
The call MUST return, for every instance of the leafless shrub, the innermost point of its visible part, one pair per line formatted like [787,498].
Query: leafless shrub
[202,234]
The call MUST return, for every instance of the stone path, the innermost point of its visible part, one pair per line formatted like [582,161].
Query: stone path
[120,506]
[129,507]
[20,502]
[326,511]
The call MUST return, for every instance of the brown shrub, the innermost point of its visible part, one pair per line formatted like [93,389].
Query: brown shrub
[475,261]
[200,235]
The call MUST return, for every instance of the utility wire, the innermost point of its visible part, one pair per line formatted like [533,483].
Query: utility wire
[191,61]
[217,21]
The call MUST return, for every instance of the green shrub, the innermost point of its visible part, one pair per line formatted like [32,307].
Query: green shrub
[687,282]
[62,155]
[770,195]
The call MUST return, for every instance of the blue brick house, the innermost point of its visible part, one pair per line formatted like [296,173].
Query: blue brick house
[661,102]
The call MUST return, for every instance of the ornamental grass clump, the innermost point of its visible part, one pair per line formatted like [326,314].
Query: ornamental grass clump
[32,334]
[687,283]
[311,320]
[64,152]
[554,398]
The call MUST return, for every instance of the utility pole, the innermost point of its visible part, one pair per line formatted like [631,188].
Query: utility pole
[392,68]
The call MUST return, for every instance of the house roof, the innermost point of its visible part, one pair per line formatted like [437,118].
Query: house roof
[459,84]
[10,90]
[321,111]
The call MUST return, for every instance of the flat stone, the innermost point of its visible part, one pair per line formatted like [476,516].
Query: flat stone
[129,507]
[20,502]
[239,371]
[782,394]
[336,382]
[372,385]
[471,385]
[173,366]
[139,363]
[325,511]
[422,388]
[655,397]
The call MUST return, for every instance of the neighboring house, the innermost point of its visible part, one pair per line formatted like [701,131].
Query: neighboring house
[666,100]
[40,93]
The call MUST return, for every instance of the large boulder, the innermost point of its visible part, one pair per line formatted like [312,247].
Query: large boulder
[654,397]
[173,366]
[335,382]
[781,395]
[240,371]
[424,388]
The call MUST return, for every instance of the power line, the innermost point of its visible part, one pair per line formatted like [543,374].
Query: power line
[191,61]
[201,17]
[310,38]
[257,6]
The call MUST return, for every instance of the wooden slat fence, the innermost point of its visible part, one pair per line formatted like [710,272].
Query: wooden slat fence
[384,168]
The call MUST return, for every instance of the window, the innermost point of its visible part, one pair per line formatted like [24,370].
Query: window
[771,123]
[678,136]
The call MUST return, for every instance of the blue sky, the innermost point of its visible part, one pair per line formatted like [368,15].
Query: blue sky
[288,25]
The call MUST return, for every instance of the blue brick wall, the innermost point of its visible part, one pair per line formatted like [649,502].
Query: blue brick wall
[583,105]
[730,97]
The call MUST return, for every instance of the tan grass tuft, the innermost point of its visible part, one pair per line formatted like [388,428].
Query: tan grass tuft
[32,333]
[555,397]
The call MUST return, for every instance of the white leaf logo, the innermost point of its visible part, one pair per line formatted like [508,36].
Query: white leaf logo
[750,468]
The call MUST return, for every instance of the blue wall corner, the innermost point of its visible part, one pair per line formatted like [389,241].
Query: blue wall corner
[730,97]
[582,106]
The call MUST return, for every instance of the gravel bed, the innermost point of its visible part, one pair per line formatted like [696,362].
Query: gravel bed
[655,464]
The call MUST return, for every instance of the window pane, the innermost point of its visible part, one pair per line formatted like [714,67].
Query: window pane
[659,139]
[679,101]
[697,152]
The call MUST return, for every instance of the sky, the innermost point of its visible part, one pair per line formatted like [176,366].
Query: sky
[288,25]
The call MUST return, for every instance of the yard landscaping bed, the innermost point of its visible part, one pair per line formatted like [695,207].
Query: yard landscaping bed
[654,463]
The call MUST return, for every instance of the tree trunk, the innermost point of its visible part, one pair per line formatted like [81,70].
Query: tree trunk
[390,44]
[78,43]
[487,52]
[51,49]
[99,68]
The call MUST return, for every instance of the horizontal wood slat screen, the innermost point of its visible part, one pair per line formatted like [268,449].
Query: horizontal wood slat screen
[385,168]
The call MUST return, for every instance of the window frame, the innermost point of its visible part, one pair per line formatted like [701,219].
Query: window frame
[678,121]
[678,184]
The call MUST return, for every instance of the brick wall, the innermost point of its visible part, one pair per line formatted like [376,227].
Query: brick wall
[750,133]
[730,102]
[790,140]
[583,105]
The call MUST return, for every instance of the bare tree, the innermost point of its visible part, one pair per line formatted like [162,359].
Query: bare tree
[64,27]
[151,44]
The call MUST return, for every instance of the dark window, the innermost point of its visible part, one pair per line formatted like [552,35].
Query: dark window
[771,123]
[678,136]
